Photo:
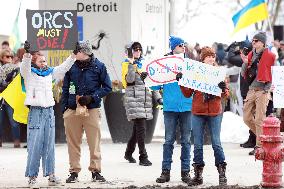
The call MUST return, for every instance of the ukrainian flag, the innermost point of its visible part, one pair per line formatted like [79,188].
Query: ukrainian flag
[253,12]
[15,95]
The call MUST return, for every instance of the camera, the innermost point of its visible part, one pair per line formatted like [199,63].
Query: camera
[129,52]
[246,51]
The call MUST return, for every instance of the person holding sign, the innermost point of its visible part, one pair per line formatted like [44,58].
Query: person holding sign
[256,69]
[84,85]
[177,112]
[138,103]
[206,108]
[41,122]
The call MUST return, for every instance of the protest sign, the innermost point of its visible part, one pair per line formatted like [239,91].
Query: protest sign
[56,57]
[52,29]
[163,70]
[278,82]
[202,77]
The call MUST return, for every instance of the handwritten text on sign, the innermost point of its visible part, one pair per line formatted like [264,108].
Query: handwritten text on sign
[202,77]
[278,82]
[163,70]
[52,29]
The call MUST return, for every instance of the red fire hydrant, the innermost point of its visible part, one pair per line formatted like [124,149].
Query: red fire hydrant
[271,153]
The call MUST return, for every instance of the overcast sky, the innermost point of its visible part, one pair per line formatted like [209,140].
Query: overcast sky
[214,24]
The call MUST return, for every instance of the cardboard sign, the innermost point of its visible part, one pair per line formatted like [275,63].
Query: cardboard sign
[52,29]
[162,70]
[202,77]
[278,82]
[56,57]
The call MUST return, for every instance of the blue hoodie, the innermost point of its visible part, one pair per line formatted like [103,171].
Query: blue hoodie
[174,100]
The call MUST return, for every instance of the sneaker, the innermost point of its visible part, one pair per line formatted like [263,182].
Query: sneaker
[96,176]
[130,159]
[145,162]
[32,182]
[53,180]
[72,178]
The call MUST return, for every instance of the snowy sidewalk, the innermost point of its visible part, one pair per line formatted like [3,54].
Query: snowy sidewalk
[242,169]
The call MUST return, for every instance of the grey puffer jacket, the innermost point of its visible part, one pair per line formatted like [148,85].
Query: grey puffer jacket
[138,98]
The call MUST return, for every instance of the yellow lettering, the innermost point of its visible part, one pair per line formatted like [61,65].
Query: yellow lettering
[40,33]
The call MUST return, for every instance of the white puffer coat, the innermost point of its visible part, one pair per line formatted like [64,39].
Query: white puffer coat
[38,88]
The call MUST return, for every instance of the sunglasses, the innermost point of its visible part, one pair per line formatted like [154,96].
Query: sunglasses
[255,40]
[135,50]
[8,56]
[181,45]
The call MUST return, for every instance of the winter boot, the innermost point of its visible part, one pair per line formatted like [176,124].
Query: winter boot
[252,153]
[129,158]
[165,176]
[222,170]
[197,179]
[145,162]
[251,141]
[185,176]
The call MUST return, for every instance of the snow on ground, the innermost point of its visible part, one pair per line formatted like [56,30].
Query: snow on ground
[234,130]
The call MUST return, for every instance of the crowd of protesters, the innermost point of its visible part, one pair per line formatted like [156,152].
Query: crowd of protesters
[86,81]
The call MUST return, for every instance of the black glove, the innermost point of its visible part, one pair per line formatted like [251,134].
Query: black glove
[222,85]
[143,75]
[27,46]
[77,48]
[160,101]
[178,76]
[85,100]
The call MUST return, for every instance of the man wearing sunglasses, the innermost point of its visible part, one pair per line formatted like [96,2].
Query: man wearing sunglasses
[177,113]
[256,69]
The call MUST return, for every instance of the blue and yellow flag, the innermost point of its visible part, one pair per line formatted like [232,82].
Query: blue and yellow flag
[15,95]
[15,39]
[253,12]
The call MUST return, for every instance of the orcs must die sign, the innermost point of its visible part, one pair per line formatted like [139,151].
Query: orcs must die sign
[52,29]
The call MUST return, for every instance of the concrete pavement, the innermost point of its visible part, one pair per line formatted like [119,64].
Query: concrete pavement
[242,169]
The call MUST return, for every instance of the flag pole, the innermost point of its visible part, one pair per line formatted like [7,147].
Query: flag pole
[270,27]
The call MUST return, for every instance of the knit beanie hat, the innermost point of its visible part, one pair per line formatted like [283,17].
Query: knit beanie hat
[175,41]
[261,36]
[206,51]
[86,47]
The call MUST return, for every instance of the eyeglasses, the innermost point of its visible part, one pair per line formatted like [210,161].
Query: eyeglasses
[8,56]
[181,45]
[255,40]
[135,50]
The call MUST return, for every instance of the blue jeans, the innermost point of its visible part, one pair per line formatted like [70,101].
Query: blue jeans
[7,111]
[40,141]
[171,121]
[214,124]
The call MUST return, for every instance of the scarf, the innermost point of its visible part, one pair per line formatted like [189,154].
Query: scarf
[138,62]
[45,71]
[83,63]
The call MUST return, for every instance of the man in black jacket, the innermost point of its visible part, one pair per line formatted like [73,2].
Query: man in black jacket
[234,50]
